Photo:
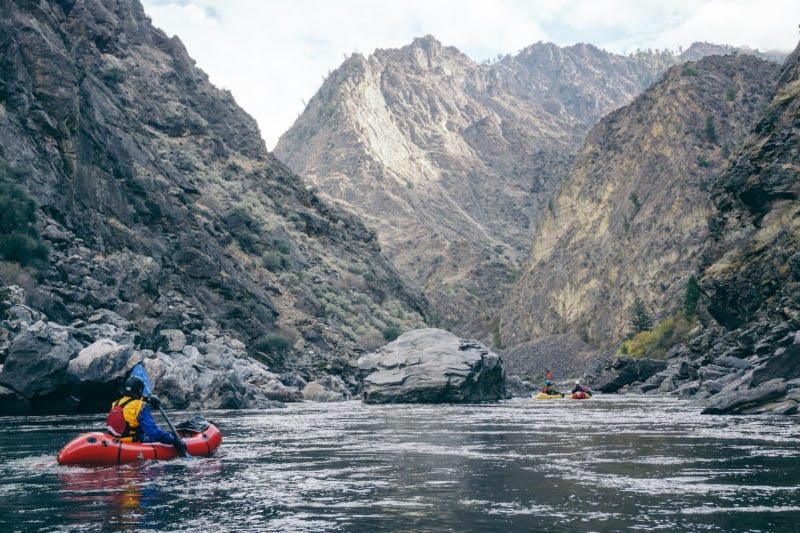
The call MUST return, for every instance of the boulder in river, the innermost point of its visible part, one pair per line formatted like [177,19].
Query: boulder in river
[327,389]
[516,387]
[432,366]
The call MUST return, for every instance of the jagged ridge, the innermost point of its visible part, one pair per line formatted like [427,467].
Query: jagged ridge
[453,162]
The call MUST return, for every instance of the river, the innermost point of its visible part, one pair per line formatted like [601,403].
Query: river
[607,464]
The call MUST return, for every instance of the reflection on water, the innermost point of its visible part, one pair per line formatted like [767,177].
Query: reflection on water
[607,464]
[124,493]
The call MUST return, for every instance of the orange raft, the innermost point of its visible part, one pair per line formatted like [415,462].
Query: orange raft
[580,395]
[104,449]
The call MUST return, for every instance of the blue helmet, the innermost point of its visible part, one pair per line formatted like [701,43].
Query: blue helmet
[548,382]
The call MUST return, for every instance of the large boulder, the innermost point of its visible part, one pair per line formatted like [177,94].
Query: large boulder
[102,361]
[784,363]
[327,389]
[38,359]
[516,387]
[432,366]
[172,340]
[732,401]
[623,371]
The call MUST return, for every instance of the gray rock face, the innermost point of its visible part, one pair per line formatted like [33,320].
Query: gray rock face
[432,366]
[517,388]
[614,219]
[624,371]
[746,354]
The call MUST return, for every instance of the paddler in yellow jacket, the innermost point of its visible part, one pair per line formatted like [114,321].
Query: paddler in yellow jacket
[130,419]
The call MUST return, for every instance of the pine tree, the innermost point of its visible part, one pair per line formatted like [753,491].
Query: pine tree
[711,130]
[640,320]
[692,297]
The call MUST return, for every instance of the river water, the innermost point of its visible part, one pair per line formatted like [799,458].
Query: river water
[606,464]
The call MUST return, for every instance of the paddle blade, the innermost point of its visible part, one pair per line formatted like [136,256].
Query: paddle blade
[139,372]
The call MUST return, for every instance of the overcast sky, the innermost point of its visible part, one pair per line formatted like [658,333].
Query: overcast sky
[273,54]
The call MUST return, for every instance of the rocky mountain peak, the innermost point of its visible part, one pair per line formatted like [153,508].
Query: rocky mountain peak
[631,220]
[452,162]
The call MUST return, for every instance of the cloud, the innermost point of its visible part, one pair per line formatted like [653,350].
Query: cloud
[273,54]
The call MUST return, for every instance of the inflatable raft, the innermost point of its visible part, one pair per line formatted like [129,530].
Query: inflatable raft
[580,396]
[202,439]
[543,396]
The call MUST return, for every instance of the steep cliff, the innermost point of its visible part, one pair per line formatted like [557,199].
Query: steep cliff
[631,220]
[453,162]
[746,357]
[161,204]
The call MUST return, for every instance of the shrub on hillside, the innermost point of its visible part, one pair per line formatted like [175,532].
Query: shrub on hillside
[390,333]
[4,302]
[711,130]
[655,343]
[275,347]
[274,261]
[20,240]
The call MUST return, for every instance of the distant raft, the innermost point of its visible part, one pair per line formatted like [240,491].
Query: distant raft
[543,396]
[105,449]
[580,395]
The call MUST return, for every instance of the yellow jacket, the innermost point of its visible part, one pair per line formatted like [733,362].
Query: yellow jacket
[130,412]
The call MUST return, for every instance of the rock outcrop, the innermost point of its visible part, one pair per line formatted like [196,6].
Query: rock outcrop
[631,220]
[624,371]
[746,360]
[454,162]
[751,281]
[327,389]
[432,366]
[162,207]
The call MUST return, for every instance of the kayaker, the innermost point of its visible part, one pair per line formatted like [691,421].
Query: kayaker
[130,418]
[549,388]
[579,388]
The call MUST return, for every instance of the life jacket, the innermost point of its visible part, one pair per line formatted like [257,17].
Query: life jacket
[123,419]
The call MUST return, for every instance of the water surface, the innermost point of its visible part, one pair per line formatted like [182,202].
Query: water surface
[607,464]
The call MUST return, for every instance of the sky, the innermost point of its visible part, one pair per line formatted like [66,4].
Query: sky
[273,54]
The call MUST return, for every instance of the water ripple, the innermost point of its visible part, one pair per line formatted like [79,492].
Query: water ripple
[611,463]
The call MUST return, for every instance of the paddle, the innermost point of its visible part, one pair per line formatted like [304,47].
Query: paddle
[181,450]
[139,372]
